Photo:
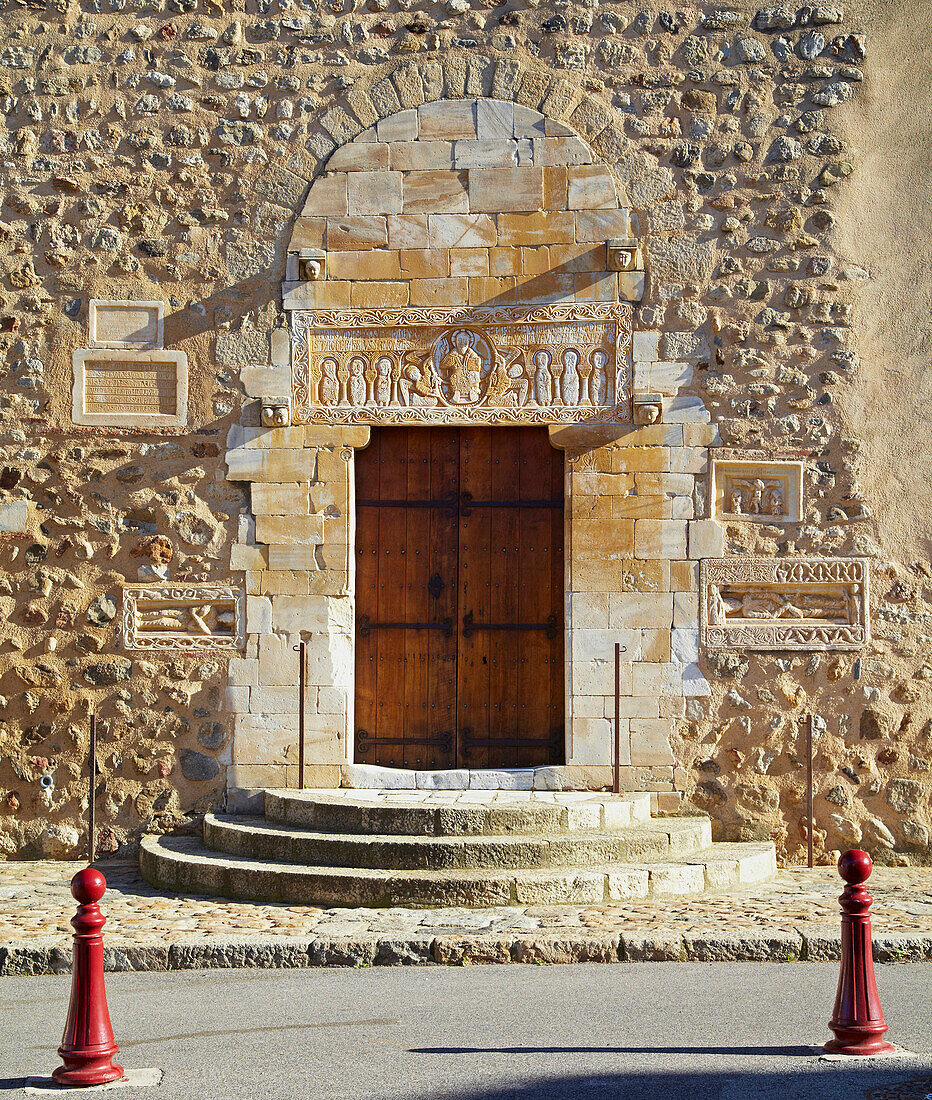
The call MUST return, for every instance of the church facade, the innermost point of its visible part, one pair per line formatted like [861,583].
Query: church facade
[467,405]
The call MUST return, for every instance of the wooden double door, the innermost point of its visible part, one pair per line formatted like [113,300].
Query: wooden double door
[459,598]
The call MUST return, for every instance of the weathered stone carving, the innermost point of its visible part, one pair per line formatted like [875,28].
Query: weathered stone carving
[126,324]
[146,389]
[530,365]
[276,412]
[183,616]
[648,408]
[765,492]
[784,603]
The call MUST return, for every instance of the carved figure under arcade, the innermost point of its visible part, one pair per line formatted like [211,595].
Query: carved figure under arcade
[555,364]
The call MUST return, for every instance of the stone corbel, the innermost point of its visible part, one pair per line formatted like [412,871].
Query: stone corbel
[306,265]
[627,258]
[648,408]
[276,411]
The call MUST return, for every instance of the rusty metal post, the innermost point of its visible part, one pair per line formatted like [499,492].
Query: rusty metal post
[87,1046]
[92,794]
[617,777]
[857,1020]
[300,649]
[809,814]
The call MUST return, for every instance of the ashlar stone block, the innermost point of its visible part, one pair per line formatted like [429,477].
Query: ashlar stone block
[289,530]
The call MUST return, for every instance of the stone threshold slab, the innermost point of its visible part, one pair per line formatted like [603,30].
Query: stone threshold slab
[655,945]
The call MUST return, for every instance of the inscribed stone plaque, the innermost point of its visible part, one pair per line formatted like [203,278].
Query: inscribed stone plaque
[552,364]
[784,603]
[126,324]
[130,389]
[763,492]
[183,616]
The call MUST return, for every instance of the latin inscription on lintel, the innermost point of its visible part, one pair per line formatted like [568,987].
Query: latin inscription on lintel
[552,364]
[784,603]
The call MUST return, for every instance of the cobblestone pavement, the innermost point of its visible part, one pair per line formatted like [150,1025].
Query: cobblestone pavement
[793,917]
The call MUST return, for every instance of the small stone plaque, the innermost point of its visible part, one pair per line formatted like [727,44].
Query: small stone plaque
[126,324]
[759,491]
[130,389]
[183,616]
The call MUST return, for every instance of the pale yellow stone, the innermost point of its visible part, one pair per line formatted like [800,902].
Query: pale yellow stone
[641,610]
[473,262]
[360,156]
[590,186]
[485,154]
[408,231]
[655,645]
[650,741]
[268,466]
[546,289]
[280,500]
[579,257]
[660,538]
[495,189]
[438,292]
[293,558]
[374,192]
[603,538]
[536,229]
[327,197]
[601,225]
[435,192]
[639,459]
[350,234]
[374,294]
[499,291]
[561,151]
[535,261]
[308,233]
[424,263]
[461,230]
[447,120]
[505,261]
[248,557]
[372,264]
[639,507]
[420,156]
[554,188]
[276,582]
[289,530]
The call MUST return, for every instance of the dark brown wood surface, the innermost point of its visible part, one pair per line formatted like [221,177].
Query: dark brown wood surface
[459,540]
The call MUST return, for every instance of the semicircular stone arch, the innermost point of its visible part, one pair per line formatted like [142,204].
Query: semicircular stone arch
[472,201]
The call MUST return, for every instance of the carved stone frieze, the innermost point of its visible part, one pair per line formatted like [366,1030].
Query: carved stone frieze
[763,492]
[784,603]
[550,364]
[183,616]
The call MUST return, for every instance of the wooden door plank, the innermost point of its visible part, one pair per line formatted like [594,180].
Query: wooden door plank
[391,643]
[505,568]
[474,591]
[367,580]
[416,564]
[443,545]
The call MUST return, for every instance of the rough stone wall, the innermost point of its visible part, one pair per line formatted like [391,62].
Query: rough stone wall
[161,151]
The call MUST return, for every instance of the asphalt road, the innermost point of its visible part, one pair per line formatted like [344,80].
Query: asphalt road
[665,1031]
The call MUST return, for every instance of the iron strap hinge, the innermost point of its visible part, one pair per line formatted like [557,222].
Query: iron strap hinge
[549,627]
[366,626]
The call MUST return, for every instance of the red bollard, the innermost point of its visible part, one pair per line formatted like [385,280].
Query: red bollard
[87,1047]
[858,1020]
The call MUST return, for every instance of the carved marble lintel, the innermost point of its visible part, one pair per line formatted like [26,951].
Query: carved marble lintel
[784,603]
[183,616]
[554,364]
[759,491]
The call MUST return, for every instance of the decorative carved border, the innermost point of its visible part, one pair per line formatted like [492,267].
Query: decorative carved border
[175,596]
[842,580]
[306,322]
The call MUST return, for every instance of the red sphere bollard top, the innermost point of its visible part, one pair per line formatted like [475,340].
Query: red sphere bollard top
[858,1020]
[87,1046]
[88,886]
[855,866]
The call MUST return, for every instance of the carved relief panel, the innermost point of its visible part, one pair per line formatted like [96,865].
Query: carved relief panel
[513,365]
[784,603]
[763,492]
[183,616]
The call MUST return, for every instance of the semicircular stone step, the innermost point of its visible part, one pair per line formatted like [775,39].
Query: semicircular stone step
[454,813]
[257,838]
[184,865]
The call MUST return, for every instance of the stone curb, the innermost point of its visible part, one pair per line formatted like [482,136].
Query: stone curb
[811,945]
